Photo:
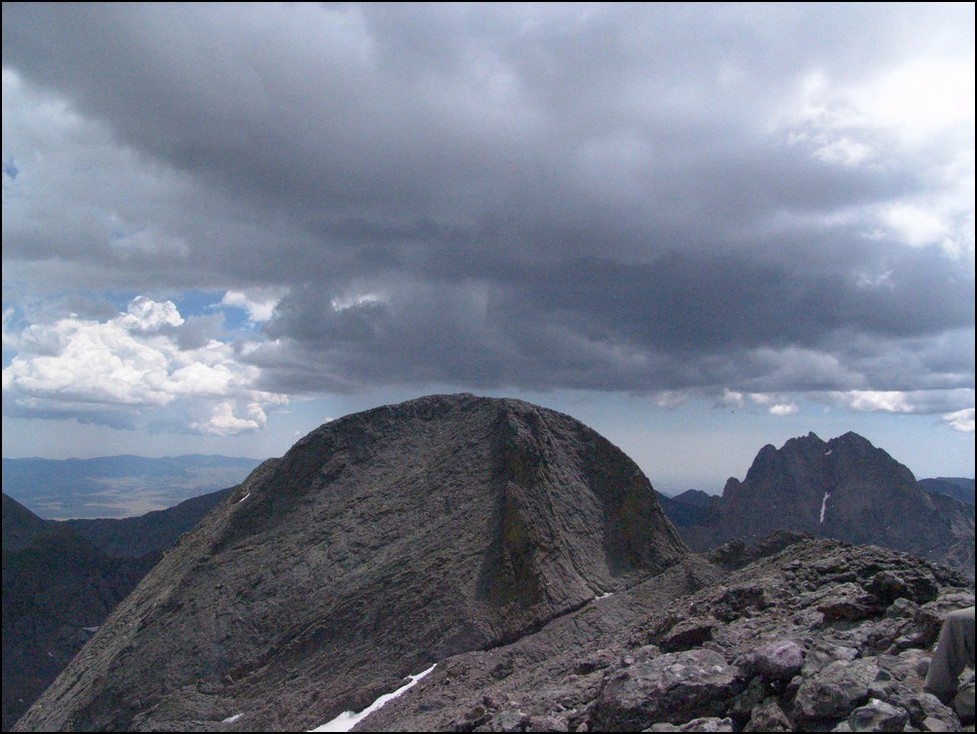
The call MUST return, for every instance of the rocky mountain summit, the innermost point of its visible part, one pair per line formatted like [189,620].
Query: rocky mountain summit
[379,544]
[844,488]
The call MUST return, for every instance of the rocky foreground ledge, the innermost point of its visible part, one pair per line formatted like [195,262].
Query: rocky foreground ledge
[816,636]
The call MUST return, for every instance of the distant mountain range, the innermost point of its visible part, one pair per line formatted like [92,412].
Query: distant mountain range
[117,486]
[695,507]
[691,507]
[956,487]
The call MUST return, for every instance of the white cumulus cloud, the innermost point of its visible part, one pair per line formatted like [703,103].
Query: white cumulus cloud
[146,315]
[223,420]
[259,305]
[889,401]
[134,362]
[961,420]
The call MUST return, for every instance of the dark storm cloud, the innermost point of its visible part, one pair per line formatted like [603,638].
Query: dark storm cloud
[78,414]
[684,320]
[629,197]
[391,115]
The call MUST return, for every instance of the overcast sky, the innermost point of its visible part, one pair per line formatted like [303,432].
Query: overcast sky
[698,228]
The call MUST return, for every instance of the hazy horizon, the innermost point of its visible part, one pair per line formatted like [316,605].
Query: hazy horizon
[670,486]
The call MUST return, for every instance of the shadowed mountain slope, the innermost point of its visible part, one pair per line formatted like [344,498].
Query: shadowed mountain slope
[20,525]
[691,507]
[153,532]
[57,588]
[380,543]
[62,578]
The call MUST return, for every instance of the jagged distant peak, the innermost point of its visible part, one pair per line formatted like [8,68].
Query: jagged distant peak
[851,440]
[844,488]
[813,445]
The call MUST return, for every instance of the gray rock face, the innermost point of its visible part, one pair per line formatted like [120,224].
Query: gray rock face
[688,633]
[844,488]
[774,661]
[878,716]
[768,716]
[671,688]
[379,544]
[835,689]
[705,723]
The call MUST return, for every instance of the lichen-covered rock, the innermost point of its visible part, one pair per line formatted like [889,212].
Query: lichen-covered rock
[743,703]
[768,716]
[705,723]
[835,690]
[547,723]
[823,651]
[672,688]
[507,720]
[878,715]
[850,602]
[775,661]
[928,713]
[888,586]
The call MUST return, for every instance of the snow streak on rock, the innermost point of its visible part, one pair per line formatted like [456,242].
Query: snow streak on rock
[347,720]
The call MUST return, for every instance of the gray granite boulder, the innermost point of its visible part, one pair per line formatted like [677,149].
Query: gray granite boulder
[705,724]
[768,716]
[671,688]
[775,661]
[878,715]
[835,690]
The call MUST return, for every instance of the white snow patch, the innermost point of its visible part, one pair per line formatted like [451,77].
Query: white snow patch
[604,596]
[829,452]
[90,629]
[243,498]
[824,505]
[232,719]
[347,720]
